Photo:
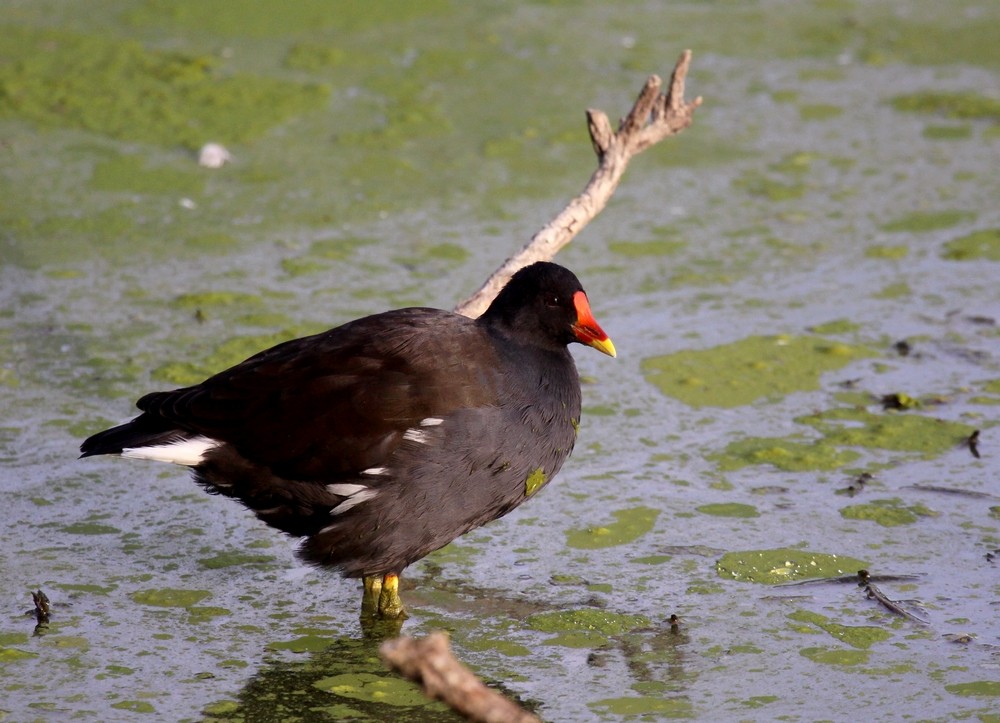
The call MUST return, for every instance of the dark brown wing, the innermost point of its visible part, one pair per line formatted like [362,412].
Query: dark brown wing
[339,402]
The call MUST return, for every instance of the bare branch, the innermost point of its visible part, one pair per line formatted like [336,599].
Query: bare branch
[654,116]
[430,664]
[601,133]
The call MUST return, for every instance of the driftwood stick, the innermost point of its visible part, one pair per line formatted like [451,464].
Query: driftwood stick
[654,116]
[430,664]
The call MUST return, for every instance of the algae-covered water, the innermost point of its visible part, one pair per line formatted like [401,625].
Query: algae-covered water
[804,290]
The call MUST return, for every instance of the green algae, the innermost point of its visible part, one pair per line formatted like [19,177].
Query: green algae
[784,565]
[447,252]
[207,299]
[947,133]
[498,645]
[123,90]
[89,528]
[894,253]
[837,326]
[272,18]
[89,589]
[630,525]
[635,249]
[888,513]
[924,221]
[828,656]
[977,245]
[169,597]
[375,688]
[303,644]
[14,654]
[729,509]
[233,559]
[339,249]
[967,105]
[897,290]
[206,613]
[131,173]
[758,184]
[645,707]
[783,454]
[894,431]
[976,688]
[750,369]
[134,706]
[586,621]
[857,636]
[819,111]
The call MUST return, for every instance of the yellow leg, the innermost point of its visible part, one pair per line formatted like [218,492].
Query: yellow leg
[389,604]
[370,598]
[380,600]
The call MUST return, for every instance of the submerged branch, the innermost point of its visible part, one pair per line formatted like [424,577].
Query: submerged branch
[430,664]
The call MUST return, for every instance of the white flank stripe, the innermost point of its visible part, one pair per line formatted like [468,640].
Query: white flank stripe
[415,435]
[431,422]
[375,471]
[355,499]
[188,452]
[345,490]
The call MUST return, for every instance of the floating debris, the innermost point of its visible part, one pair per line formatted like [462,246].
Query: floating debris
[952,491]
[42,607]
[857,484]
[899,401]
[893,606]
[861,578]
[214,155]
[973,442]
[41,612]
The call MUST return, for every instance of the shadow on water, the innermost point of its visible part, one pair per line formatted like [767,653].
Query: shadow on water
[345,680]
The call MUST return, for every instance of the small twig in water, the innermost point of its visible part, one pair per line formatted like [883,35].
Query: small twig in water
[953,491]
[893,606]
[974,444]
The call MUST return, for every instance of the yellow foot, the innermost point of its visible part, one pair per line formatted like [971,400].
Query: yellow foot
[381,598]
[389,604]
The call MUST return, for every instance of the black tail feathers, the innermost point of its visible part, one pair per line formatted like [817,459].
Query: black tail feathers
[143,431]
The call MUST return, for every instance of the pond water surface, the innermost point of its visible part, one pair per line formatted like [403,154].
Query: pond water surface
[803,289]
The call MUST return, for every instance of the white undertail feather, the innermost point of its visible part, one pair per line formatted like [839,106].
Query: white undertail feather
[345,489]
[415,435]
[187,452]
[355,498]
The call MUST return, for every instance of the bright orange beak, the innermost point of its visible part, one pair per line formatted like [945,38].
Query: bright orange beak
[586,328]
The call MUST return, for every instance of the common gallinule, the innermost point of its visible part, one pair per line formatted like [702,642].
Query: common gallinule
[386,438]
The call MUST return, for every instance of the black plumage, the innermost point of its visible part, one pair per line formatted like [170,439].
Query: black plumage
[384,439]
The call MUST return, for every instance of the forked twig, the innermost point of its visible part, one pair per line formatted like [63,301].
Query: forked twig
[654,116]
